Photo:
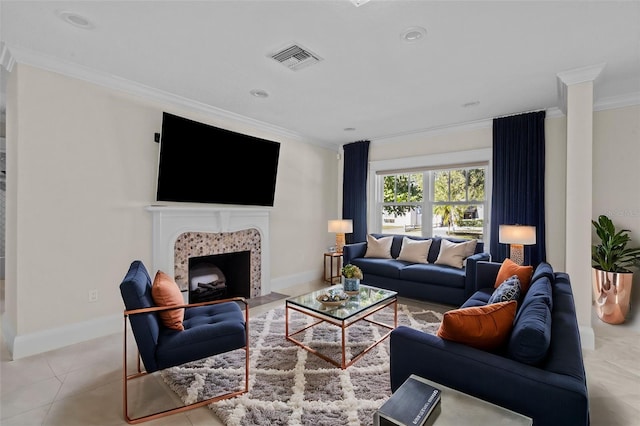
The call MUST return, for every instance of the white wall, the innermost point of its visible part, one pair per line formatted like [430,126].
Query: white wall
[429,143]
[479,136]
[9,318]
[616,175]
[82,167]
[555,130]
[80,187]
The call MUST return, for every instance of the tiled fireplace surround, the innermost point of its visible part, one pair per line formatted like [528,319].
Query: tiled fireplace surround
[183,232]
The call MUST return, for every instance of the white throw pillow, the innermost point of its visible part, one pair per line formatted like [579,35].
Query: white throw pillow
[454,254]
[415,251]
[380,248]
[471,247]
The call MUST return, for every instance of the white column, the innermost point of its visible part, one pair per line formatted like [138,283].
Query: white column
[576,90]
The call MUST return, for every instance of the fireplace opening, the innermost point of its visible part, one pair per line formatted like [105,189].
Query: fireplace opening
[219,276]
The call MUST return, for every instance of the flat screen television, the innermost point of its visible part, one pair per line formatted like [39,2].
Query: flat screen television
[200,163]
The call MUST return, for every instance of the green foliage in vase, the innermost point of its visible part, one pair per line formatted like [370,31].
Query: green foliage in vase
[612,254]
[351,271]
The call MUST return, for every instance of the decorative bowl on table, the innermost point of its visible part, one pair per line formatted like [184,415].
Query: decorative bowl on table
[333,299]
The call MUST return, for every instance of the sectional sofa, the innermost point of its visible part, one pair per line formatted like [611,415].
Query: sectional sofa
[427,280]
[538,371]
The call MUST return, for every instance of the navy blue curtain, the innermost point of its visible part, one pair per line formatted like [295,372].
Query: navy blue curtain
[354,189]
[518,181]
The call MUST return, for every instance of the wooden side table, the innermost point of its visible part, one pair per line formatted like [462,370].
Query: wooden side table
[333,259]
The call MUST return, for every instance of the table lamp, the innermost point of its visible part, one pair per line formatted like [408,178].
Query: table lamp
[340,227]
[517,236]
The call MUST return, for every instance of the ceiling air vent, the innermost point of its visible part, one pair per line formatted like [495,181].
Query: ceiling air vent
[295,57]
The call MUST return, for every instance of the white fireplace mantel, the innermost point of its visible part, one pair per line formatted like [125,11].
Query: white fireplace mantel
[169,222]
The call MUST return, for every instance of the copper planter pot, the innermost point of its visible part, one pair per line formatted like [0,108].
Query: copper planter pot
[611,292]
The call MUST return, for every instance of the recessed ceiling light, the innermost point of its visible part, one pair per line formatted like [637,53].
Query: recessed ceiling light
[349,129]
[258,93]
[75,19]
[471,104]
[413,34]
[358,3]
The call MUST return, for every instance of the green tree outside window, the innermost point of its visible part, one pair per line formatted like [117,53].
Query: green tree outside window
[405,188]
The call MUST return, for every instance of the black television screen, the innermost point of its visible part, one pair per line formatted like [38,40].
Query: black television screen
[205,164]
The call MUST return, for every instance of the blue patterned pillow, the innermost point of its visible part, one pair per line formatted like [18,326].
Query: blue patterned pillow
[508,290]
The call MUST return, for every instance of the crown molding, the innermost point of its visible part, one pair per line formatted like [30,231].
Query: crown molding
[457,128]
[622,101]
[581,75]
[437,131]
[554,112]
[10,55]
[576,76]
[109,81]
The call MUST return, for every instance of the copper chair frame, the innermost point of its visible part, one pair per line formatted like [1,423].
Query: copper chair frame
[126,377]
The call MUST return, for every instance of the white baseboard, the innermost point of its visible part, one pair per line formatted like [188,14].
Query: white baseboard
[587,337]
[24,345]
[8,332]
[295,279]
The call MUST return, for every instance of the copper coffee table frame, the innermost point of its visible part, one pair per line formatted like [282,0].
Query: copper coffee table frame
[358,310]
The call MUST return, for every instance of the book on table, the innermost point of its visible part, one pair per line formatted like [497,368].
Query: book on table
[414,403]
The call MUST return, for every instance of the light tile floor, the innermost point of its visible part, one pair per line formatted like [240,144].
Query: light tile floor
[82,384]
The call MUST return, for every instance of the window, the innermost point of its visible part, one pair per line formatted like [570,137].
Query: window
[437,202]
[403,199]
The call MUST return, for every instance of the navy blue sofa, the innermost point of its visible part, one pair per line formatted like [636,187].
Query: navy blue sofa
[425,281]
[540,371]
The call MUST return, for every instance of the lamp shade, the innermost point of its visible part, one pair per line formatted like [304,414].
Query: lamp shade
[517,234]
[341,226]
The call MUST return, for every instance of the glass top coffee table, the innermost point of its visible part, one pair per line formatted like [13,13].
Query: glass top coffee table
[358,307]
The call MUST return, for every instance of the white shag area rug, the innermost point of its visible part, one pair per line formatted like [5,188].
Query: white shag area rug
[289,385]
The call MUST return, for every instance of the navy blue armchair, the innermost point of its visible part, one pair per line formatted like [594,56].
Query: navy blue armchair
[210,328]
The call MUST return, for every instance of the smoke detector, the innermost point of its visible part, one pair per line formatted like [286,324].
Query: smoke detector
[295,57]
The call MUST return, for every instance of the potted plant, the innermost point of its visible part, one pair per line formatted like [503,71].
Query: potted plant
[612,278]
[352,276]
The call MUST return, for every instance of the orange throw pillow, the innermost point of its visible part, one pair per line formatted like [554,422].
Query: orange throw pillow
[509,268]
[483,327]
[165,292]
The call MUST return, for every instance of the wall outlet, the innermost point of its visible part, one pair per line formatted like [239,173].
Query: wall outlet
[93,295]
